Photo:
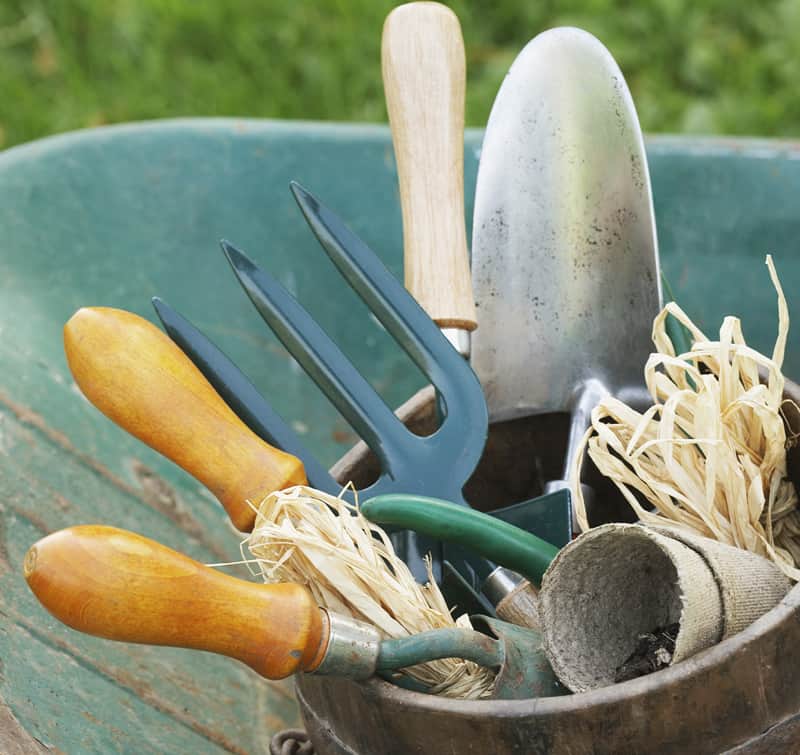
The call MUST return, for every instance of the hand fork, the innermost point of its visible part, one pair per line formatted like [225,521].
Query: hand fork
[437,465]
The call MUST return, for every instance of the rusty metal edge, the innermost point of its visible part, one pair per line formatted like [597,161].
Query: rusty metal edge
[740,659]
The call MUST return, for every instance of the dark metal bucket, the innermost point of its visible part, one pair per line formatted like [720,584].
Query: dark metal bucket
[743,695]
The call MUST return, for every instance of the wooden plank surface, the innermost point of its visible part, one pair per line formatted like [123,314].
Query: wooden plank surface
[113,696]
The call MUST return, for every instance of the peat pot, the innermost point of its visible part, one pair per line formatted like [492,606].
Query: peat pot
[740,696]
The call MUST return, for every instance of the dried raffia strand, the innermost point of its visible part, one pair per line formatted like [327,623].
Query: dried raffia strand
[306,536]
[710,454]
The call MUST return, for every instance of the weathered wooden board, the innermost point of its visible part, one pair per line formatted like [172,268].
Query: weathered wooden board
[114,216]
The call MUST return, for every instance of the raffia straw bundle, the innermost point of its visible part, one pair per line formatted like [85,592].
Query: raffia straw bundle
[710,454]
[306,536]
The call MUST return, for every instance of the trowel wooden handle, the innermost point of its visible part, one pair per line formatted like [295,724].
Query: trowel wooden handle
[424,80]
[115,584]
[140,379]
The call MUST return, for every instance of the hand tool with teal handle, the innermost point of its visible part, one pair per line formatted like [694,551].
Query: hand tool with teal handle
[241,396]
[118,585]
[492,538]
[410,463]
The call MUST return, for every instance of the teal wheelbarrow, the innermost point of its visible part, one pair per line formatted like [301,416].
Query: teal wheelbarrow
[111,216]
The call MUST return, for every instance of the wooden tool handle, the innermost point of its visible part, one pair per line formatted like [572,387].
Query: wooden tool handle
[424,80]
[139,378]
[115,584]
[520,606]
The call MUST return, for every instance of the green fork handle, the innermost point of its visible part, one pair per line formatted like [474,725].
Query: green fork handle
[492,538]
[455,642]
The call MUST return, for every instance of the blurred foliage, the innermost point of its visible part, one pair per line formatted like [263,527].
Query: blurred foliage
[702,66]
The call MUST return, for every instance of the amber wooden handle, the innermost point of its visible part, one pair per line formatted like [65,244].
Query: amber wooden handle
[115,584]
[139,378]
[424,80]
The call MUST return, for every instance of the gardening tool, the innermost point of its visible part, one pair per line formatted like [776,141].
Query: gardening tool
[542,516]
[409,463]
[240,394]
[138,377]
[121,586]
[340,244]
[564,253]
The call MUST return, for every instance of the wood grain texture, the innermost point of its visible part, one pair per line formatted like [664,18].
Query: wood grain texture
[14,740]
[141,380]
[424,75]
[115,584]
[77,693]
[520,606]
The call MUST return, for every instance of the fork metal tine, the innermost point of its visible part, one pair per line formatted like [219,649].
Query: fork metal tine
[411,326]
[240,394]
[249,405]
[328,367]
[399,452]
[386,298]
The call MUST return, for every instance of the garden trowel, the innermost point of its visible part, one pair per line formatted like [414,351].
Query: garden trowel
[564,252]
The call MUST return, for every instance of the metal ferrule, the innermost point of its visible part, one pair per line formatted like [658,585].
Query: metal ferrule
[500,583]
[460,339]
[353,648]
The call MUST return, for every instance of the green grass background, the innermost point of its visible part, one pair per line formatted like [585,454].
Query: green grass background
[698,66]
